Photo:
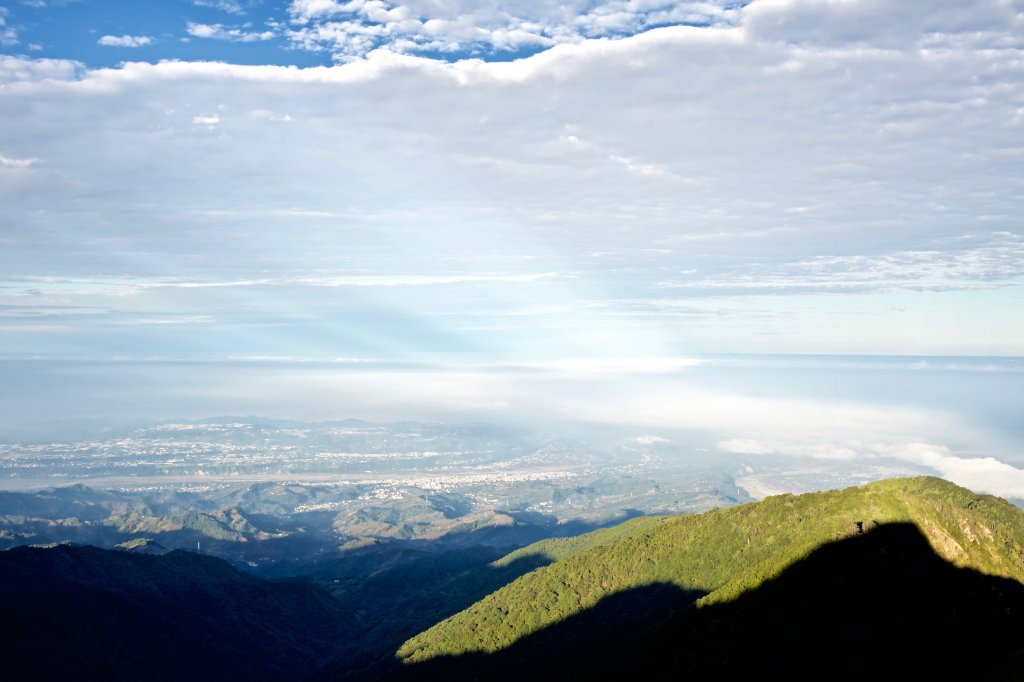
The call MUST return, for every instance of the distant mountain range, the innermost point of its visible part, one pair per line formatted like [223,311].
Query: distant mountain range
[905,577]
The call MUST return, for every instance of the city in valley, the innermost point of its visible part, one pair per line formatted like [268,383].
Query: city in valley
[262,491]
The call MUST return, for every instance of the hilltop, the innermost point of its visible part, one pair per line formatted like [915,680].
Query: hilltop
[881,568]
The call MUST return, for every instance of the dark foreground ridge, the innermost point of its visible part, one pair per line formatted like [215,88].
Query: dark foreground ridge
[910,578]
[881,604]
[84,613]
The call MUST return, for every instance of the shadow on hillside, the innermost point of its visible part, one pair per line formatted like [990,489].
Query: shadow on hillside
[882,604]
[411,595]
[618,622]
[83,613]
[399,588]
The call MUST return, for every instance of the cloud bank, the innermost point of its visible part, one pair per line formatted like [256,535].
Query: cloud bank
[980,474]
[783,181]
[656,180]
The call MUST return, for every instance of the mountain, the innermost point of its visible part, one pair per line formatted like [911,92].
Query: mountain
[904,575]
[86,613]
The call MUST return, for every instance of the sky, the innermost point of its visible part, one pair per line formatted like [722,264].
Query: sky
[482,207]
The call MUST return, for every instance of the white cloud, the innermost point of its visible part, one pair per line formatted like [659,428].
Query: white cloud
[8,36]
[125,41]
[229,6]
[974,261]
[356,27]
[425,280]
[926,23]
[981,474]
[121,286]
[650,440]
[221,32]
[210,120]
[610,365]
[8,162]
[308,9]
[267,115]
[830,451]
[23,69]
[749,446]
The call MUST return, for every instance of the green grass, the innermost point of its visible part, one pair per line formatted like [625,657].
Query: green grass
[724,553]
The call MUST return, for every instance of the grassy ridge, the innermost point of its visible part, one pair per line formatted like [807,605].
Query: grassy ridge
[723,553]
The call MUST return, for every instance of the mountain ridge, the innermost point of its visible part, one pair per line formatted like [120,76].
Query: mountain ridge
[724,553]
[878,605]
[894,567]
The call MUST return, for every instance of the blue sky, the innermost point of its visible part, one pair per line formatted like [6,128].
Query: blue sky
[110,32]
[312,32]
[479,189]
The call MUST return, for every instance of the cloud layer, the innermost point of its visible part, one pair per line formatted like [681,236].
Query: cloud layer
[781,181]
[658,180]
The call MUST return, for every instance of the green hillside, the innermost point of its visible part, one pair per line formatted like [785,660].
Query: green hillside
[713,558]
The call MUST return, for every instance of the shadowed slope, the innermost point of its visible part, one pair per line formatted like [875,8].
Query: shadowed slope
[86,613]
[880,604]
[400,600]
[883,603]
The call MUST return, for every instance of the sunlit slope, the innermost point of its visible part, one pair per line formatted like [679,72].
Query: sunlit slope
[724,552]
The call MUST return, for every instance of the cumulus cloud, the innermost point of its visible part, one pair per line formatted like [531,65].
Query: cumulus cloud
[981,474]
[233,34]
[355,27]
[125,41]
[14,69]
[351,28]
